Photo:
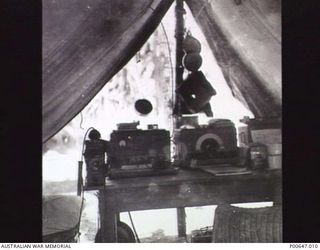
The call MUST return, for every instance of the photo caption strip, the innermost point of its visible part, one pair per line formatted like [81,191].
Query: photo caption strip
[35,245]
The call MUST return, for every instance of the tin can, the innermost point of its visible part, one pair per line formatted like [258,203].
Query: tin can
[258,156]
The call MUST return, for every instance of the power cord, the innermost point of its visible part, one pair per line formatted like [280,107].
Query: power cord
[84,138]
[133,227]
[82,193]
[171,70]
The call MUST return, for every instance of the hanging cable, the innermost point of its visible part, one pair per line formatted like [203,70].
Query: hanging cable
[81,208]
[80,179]
[171,68]
[169,52]
[81,117]
[133,227]
[84,138]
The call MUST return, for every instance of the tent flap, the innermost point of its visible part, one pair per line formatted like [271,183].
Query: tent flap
[85,43]
[245,38]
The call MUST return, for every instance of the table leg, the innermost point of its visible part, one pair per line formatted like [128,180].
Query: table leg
[181,217]
[118,216]
[108,221]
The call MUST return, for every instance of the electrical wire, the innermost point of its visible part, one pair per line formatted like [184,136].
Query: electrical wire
[84,138]
[171,69]
[81,117]
[81,208]
[169,52]
[81,160]
[82,193]
[133,227]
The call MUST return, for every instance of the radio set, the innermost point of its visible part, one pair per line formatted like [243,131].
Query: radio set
[133,152]
[215,143]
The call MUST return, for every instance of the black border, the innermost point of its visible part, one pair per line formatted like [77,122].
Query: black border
[20,121]
[301,57]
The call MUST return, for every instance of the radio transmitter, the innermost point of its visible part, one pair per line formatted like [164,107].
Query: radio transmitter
[215,143]
[135,152]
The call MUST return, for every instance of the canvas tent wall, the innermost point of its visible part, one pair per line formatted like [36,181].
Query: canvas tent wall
[245,38]
[86,42]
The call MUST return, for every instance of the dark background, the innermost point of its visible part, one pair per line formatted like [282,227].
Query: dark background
[20,121]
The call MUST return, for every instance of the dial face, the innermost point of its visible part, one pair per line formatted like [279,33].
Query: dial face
[209,141]
[96,163]
[122,143]
[209,146]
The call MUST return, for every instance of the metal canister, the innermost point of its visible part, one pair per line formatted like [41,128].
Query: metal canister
[258,156]
[94,155]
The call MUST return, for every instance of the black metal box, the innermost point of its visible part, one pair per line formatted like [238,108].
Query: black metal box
[133,147]
[96,167]
[216,142]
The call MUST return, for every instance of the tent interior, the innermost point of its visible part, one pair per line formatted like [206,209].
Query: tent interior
[83,48]
[100,56]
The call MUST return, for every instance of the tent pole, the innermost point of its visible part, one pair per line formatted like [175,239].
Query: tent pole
[179,35]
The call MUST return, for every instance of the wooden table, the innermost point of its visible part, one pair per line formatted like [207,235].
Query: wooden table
[186,189]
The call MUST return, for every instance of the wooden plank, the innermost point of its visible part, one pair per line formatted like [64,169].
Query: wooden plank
[181,220]
[220,190]
[108,220]
[184,176]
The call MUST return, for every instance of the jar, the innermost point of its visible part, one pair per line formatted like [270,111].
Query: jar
[258,156]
